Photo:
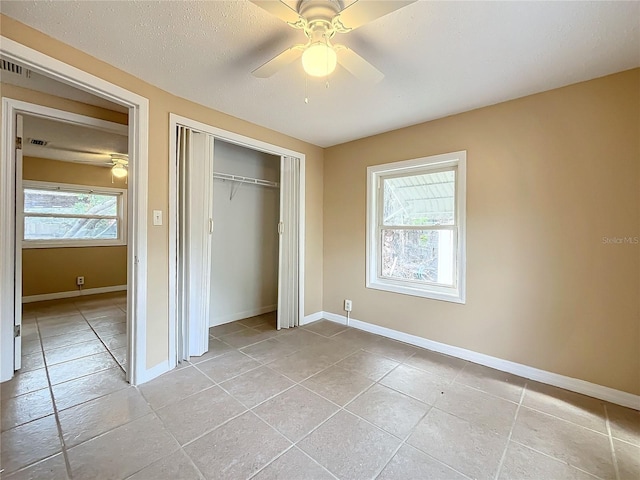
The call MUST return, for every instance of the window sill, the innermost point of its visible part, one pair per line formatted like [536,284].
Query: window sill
[26,245]
[452,295]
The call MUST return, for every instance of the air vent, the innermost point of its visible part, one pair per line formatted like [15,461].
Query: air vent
[37,142]
[11,67]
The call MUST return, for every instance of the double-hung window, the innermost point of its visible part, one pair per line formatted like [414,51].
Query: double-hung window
[416,227]
[65,215]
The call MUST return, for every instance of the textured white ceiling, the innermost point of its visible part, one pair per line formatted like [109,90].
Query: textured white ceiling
[439,58]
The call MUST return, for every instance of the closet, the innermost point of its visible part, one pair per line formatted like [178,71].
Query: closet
[245,239]
[238,240]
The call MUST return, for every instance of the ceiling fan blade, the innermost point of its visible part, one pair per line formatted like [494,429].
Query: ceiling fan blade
[278,62]
[358,66]
[278,9]
[362,12]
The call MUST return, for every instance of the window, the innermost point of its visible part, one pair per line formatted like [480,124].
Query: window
[415,227]
[65,215]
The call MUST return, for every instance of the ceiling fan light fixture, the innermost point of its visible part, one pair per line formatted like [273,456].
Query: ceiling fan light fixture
[119,170]
[319,60]
[120,164]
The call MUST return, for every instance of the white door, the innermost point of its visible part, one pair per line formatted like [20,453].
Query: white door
[17,341]
[195,241]
[289,256]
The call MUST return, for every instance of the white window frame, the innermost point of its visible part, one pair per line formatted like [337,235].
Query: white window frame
[74,188]
[432,164]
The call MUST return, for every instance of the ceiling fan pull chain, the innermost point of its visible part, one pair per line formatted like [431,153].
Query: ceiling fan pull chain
[326,42]
[306,89]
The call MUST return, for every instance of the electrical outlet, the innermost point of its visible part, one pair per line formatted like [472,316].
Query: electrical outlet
[347,305]
[79,281]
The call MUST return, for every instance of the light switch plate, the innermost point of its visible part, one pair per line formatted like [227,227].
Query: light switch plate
[157,217]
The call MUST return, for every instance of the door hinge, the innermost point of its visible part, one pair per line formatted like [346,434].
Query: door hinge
[280,228]
[16,331]
[18,143]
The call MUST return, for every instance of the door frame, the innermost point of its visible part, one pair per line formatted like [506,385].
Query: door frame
[137,205]
[237,139]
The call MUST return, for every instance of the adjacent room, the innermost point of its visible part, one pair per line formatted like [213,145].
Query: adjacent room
[320,239]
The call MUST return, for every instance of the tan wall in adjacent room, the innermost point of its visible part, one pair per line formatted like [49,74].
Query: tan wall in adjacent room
[52,270]
[549,176]
[161,104]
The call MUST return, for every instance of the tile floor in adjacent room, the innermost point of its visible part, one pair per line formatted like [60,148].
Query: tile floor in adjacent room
[318,402]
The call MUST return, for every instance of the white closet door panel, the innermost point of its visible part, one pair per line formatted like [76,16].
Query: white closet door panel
[182,154]
[198,239]
[288,301]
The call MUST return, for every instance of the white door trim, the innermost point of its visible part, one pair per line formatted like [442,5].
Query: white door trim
[137,206]
[235,138]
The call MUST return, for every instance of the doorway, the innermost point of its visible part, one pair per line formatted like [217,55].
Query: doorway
[10,322]
[192,224]
[71,246]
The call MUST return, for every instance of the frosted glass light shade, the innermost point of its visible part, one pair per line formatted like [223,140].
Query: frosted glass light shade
[319,60]
[119,171]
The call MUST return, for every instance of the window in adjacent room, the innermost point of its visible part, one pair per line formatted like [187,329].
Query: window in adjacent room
[416,227]
[65,215]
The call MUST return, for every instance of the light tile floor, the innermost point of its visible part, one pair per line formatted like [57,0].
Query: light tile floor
[318,402]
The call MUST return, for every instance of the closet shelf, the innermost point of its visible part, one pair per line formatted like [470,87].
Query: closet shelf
[241,179]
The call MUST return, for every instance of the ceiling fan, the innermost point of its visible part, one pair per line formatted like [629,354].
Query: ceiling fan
[118,162]
[321,20]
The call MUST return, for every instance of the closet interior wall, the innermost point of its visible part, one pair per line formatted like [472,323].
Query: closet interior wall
[244,247]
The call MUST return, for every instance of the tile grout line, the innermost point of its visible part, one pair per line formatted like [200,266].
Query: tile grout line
[513,425]
[294,444]
[557,459]
[433,406]
[564,420]
[610,436]
[405,443]
[63,445]
[284,452]
[104,344]
[401,444]
[180,446]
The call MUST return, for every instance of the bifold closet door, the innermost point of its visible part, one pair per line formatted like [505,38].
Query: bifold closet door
[195,152]
[289,231]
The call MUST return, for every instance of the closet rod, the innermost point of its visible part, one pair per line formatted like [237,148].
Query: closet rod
[241,179]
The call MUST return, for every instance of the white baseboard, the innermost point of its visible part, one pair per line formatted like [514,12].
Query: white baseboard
[73,293]
[215,321]
[153,372]
[314,317]
[568,383]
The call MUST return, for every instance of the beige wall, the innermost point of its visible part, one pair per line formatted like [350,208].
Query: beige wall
[161,104]
[548,176]
[50,270]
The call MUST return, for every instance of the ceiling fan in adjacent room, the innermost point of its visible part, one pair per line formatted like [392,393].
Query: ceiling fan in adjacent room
[321,20]
[117,162]
[120,166]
